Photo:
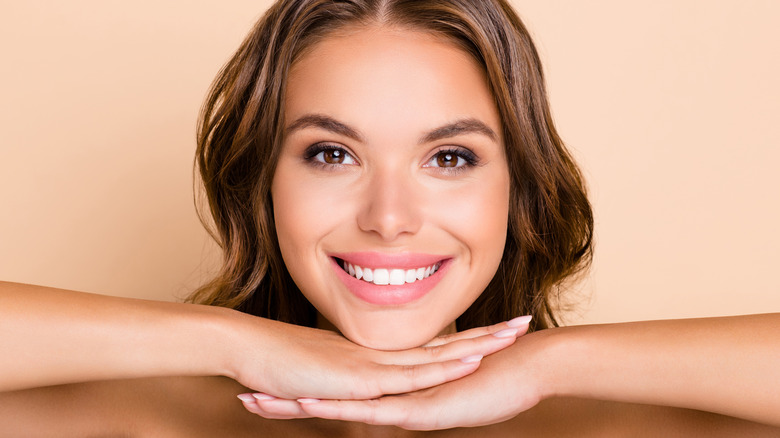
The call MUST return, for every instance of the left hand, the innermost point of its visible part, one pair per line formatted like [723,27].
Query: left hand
[507,383]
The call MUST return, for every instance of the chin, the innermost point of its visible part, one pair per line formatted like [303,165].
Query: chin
[392,332]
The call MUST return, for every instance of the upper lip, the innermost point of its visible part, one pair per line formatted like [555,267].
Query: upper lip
[403,260]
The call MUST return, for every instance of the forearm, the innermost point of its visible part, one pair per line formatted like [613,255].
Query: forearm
[51,336]
[724,365]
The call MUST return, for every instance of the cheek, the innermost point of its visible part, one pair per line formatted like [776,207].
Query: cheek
[477,215]
[306,208]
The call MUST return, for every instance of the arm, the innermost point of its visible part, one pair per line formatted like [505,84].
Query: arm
[723,365]
[728,366]
[51,336]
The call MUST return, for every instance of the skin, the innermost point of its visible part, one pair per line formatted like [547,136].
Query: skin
[390,192]
[575,381]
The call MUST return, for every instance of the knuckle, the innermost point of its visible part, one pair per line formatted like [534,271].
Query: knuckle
[411,372]
[434,351]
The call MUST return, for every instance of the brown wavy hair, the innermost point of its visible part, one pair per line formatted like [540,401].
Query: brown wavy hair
[240,135]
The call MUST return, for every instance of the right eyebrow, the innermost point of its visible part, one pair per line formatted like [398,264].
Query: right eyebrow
[323,122]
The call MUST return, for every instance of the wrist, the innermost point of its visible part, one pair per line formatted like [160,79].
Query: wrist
[558,361]
[213,340]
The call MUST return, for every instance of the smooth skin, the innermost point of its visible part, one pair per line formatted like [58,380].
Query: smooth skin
[385,191]
[405,113]
[522,386]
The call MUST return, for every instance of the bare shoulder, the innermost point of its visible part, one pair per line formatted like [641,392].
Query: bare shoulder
[569,417]
[160,407]
[207,407]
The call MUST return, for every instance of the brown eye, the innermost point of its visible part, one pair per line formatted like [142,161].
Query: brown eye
[452,160]
[333,156]
[447,159]
[330,155]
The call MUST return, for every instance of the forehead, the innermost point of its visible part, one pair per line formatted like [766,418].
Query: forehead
[386,77]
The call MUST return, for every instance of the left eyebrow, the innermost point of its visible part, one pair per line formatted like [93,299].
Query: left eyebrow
[459,127]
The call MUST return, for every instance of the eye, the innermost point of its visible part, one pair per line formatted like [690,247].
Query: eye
[328,154]
[452,158]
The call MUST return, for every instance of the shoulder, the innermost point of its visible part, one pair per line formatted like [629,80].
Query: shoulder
[570,417]
[160,407]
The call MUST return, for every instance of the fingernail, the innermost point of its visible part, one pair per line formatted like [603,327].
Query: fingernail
[519,321]
[471,359]
[506,333]
[308,401]
[246,398]
[263,397]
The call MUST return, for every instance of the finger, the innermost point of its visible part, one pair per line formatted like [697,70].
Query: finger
[271,407]
[482,346]
[385,411]
[398,379]
[521,323]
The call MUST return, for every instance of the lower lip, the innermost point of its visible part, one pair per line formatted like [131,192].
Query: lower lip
[390,295]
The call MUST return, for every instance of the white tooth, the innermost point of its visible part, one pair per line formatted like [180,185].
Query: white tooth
[358,272]
[420,273]
[368,275]
[435,268]
[411,276]
[381,277]
[351,270]
[344,265]
[428,271]
[397,276]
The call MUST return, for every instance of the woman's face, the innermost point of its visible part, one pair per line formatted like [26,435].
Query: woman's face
[393,163]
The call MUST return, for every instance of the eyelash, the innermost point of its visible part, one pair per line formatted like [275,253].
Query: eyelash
[314,150]
[468,156]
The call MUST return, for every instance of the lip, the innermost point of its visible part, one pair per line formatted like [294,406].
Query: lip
[375,260]
[390,295]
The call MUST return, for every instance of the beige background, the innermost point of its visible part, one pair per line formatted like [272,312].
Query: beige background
[671,107]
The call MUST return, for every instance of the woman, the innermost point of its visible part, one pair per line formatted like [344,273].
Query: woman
[392,220]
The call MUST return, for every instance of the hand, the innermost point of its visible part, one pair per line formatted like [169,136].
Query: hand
[431,361]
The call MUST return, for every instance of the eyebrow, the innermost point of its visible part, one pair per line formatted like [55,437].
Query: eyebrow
[324,122]
[458,127]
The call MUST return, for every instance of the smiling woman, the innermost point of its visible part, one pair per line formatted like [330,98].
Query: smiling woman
[404,128]
[396,211]
[408,101]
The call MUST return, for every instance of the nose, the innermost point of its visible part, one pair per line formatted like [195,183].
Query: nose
[390,206]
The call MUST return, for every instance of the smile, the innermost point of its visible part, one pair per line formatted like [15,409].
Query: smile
[389,279]
[389,276]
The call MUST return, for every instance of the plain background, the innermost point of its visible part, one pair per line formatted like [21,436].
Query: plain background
[671,107]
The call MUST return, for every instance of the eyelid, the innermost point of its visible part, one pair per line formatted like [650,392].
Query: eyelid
[317,148]
[464,153]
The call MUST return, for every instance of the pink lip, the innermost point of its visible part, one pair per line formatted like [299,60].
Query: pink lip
[390,295]
[374,260]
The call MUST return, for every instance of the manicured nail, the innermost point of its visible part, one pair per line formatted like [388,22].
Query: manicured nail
[471,359]
[246,398]
[308,401]
[263,397]
[506,333]
[519,321]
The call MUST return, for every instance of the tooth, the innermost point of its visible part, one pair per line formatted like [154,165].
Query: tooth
[381,277]
[411,276]
[397,276]
[358,272]
[351,270]
[368,275]
[428,271]
[420,274]
[344,265]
